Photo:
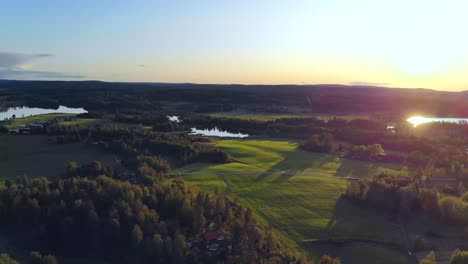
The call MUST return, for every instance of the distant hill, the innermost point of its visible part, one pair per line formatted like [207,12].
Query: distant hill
[323,98]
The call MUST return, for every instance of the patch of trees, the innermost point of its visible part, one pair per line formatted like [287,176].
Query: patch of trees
[34,258]
[157,122]
[329,260]
[429,259]
[130,142]
[370,152]
[320,143]
[145,170]
[449,161]
[89,115]
[459,257]
[326,143]
[401,195]
[392,193]
[212,156]
[107,218]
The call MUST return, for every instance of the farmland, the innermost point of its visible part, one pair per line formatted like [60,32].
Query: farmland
[277,155]
[301,207]
[35,156]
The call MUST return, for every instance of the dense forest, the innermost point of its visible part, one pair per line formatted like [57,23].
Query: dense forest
[401,196]
[107,218]
[334,99]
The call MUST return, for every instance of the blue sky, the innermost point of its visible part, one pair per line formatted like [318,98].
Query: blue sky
[395,43]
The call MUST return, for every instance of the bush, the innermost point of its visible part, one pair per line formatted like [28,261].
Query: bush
[320,143]
[4,130]
[459,257]
[213,156]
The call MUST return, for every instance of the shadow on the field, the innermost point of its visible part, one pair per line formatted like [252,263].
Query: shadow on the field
[295,162]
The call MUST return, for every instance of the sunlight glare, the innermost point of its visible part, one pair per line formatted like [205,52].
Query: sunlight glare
[417,120]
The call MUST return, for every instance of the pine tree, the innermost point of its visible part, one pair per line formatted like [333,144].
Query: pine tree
[136,236]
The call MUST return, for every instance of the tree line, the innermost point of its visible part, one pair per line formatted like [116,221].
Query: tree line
[403,195]
[108,218]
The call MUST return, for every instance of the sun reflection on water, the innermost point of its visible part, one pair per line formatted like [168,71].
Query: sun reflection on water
[417,120]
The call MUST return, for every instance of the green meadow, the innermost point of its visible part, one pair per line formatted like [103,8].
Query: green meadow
[35,156]
[301,207]
[278,156]
[15,123]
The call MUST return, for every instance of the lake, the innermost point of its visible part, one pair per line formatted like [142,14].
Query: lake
[173,119]
[24,111]
[215,132]
[417,120]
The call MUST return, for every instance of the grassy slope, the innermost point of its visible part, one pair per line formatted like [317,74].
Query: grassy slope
[35,119]
[262,155]
[81,122]
[302,208]
[34,156]
[47,117]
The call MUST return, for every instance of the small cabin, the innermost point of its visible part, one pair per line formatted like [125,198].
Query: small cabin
[211,236]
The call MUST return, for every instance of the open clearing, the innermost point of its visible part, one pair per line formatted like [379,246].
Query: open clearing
[302,208]
[34,156]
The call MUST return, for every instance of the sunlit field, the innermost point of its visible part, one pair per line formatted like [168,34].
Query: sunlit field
[284,156]
[303,207]
[15,123]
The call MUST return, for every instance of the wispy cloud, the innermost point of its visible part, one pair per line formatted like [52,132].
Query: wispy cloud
[12,67]
[32,75]
[10,60]
[370,83]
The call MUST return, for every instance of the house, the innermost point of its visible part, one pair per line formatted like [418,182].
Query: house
[24,131]
[211,236]
[33,128]
[36,128]
[36,125]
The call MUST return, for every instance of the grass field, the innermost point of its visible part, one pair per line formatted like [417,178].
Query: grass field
[302,208]
[269,117]
[35,156]
[361,253]
[65,120]
[270,155]
[35,119]
[81,122]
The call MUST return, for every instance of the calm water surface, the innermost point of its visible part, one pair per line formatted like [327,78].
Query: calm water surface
[25,111]
[215,132]
[174,119]
[417,120]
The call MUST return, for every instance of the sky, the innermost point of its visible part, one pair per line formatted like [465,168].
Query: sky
[397,43]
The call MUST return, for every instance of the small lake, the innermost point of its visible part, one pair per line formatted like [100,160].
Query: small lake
[25,111]
[215,132]
[173,119]
[417,120]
